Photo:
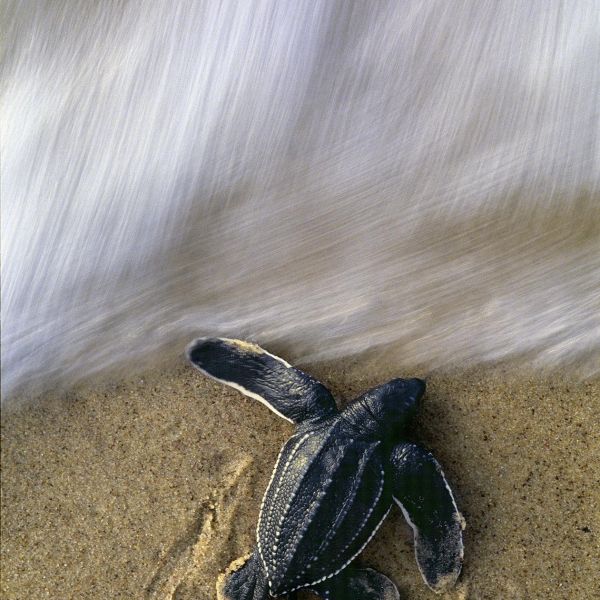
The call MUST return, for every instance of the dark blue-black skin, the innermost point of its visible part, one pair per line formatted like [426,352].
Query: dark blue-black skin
[334,482]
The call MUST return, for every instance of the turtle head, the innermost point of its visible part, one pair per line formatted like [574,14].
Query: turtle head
[386,409]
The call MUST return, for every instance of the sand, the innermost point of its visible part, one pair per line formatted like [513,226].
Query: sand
[148,488]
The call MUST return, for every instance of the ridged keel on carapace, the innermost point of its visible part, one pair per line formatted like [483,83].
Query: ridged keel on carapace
[327,495]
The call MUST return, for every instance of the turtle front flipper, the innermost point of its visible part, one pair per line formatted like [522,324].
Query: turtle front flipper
[248,368]
[363,584]
[424,496]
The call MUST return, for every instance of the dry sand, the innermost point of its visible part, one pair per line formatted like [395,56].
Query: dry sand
[150,487]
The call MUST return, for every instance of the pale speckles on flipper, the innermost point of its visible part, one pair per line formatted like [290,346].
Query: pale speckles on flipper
[255,348]
[235,566]
[203,546]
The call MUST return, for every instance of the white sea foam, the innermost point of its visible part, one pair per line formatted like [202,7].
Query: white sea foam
[323,175]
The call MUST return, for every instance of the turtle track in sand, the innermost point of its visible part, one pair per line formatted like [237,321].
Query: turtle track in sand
[203,547]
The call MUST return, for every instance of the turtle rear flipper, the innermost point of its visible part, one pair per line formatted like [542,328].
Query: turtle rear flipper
[424,496]
[363,584]
[248,368]
[243,580]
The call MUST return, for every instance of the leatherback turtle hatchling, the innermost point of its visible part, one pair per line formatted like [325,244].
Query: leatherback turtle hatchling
[334,482]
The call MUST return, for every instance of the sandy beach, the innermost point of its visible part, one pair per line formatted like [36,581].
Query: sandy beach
[149,487]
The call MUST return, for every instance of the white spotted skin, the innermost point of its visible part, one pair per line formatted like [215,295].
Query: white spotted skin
[327,496]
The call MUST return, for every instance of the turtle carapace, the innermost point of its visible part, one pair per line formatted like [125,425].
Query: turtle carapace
[334,482]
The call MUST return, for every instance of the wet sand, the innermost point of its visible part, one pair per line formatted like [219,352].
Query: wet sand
[150,487]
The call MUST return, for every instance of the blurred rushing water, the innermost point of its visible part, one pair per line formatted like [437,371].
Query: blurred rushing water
[322,176]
